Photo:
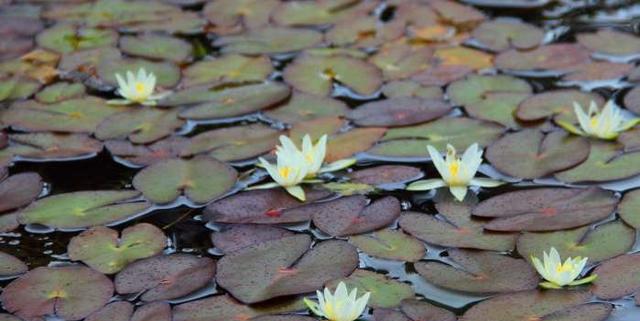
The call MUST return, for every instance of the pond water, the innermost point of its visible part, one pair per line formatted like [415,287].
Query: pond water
[503,74]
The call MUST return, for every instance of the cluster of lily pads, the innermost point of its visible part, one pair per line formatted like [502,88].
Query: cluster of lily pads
[318,141]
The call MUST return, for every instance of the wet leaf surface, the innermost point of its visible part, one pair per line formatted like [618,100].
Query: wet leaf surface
[11,266]
[143,155]
[389,244]
[49,146]
[408,88]
[385,175]
[60,91]
[554,58]
[629,208]
[157,47]
[115,311]
[65,38]
[324,12]
[606,162]
[19,190]
[557,104]
[385,292]
[224,308]
[271,40]
[242,235]
[396,112]
[306,107]
[421,310]
[503,34]
[245,14]
[599,71]
[143,125]
[617,277]
[227,69]
[610,42]
[155,311]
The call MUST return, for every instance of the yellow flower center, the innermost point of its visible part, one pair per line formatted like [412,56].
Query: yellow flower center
[309,157]
[564,268]
[454,168]
[139,87]
[285,171]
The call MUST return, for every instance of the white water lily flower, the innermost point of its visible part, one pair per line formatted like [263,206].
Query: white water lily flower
[289,171]
[314,154]
[605,124]
[560,274]
[340,306]
[137,88]
[457,172]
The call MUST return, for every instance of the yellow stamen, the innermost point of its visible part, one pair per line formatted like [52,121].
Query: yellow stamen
[454,168]
[139,87]
[285,171]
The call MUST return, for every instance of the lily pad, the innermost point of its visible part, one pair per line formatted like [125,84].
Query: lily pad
[248,14]
[385,175]
[143,155]
[409,88]
[532,154]
[480,272]
[606,162]
[315,74]
[269,40]
[103,250]
[556,103]
[60,91]
[154,311]
[320,13]
[454,227]
[553,58]
[86,61]
[305,107]
[394,112]
[243,235]
[11,265]
[71,293]
[17,88]
[385,292]
[165,277]
[618,277]
[398,61]
[603,242]
[143,125]
[363,32]
[390,244]
[354,215]
[8,222]
[83,209]
[154,46]
[283,267]
[412,141]
[200,179]
[115,311]
[225,308]
[463,56]
[629,208]
[611,42]
[233,143]
[632,100]
[457,14]
[19,190]
[475,88]
[167,73]
[503,34]
[227,69]
[599,71]
[546,209]
[66,38]
[420,310]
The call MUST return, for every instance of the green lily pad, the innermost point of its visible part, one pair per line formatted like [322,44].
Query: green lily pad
[539,305]
[401,61]
[412,141]
[385,175]
[167,73]
[632,100]
[390,244]
[157,47]
[503,34]
[65,38]
[103,250]
[363,32]
[11,265]
[82,209]
[70,292]
[557,104]
[173,22]
[546,209]
[269,40]
[283,267]
[629,208]
[143,155]
[421,310]
[60,91]
[49,146]
[498,107]
[315,74]
[200,179]
[165,277]
[454,227]
[409,88]
[115,311]
[618,277]
[385,292]
[141,125]
[305,107]
[225,308]
[230,68]
[532,154]
[320,13]
[611,42]
[17,88]
[554,58]
[79,115]
[480,272]
[233,143]
[239,236]
[599,71]
[19,190]
[395,112]
[606,162]
[603,242]
[86,61]
[248,14]
[458,14]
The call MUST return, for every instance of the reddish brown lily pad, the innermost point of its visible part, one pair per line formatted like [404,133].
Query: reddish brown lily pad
[247,14]
[225,308]
[143,155]
[115,311]
[611,42]
[154,311]
[385,292]
[363,32]
[599,71]
[385,175]
[503,34]
[243,235]
[629,208]
[269,40]
[606,162]
[320,12]
[11,265]
[19,190]
[143,125]
[557,104]
[632,100]
[50,146]
[305,107]
[420,310]
[396,112]
[398,61]
[618,277]
[409,88]
[556,58]
[546,209]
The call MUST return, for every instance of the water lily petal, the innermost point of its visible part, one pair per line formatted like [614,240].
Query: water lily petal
[426,184]
[485,182]
[297,192]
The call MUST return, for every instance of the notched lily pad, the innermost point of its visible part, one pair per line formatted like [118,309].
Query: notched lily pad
[398,61]
[556,103]
[606,162]
[200,179]
[385,292]
[306,107]
[60,91]
[19,190]
[611,42]
[409,88]
[243,235]
[503,34]
[143,125]
[363,32]
[618,277]
[320,13]
[105,251]
[115,311]
[71,293]
[243,14]
[554,58]
[227,69]
[546,209]
[598,71]
[11,265]
[155,46]
[394,112]
[269,40]
[390,244]
[66,38]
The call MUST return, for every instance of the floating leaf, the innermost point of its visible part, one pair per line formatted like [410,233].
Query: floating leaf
[154,311]
[70,292]
[154,46]
[227,69]
[532,154]
[315,74]
[599,71]
[557,104]
[441,75]
[115,311]
[305,107]
[618,277]
[390,244]
[200,179]
[546,209]
[241,236]
[225,308]
[503,34]
[82,209]
[320,13]
[388,315]
[398,61]
[363,32]
[394,112]
[17,88]
[165,277]
[456,13]
[60,91]
[603,242]
[102,249]
[463,56]
[11,265]
[385,292]
[283,267]
[632,100]
[167,73]
[611,42]
[554,58]
[19,190]
[249,14]
[408,88]
[142,125]
[480,272]
[422,310]
[386,175]
[8,222]
[86,61]
[629,208]
[143,155]
[606,162]
[65,38]
[269,40]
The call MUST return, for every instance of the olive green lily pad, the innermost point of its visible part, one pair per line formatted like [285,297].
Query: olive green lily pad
[60,91]
[401,61]
[320,13]
[546,209]
[606,162]
[19,190]
[49,146]
[225,308]
[363,32]
[458,14]
[555,58]
[86,61]
[114,311]
[65,38]
[315,74]
[11,265]
[532,154]
[17,88]
[167,73]
[103,250]
[390,244]
[385,292]
[409,88]
[632,100]
[480,272]
[269,40]
[141,125]
[618,277]
[173,22]
[230,68]
[157,47]
[603,242]
[143,155]
[233,143]
[629,208]
[82,209]
[395,112]
[611,42]
[283,267]
[70,292]
[539,305]
[200,179]
[557,104]
[249,14]
[305,107]
[412,141]
[503,34]
[475,88]
[454,227]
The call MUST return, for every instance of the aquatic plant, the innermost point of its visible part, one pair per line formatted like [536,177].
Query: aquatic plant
[560,274]
[339,306]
